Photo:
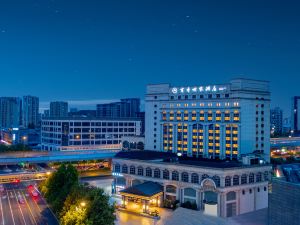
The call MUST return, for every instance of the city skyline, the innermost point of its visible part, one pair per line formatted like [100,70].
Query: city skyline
[84,52]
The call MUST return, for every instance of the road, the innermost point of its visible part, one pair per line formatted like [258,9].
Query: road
[34,210]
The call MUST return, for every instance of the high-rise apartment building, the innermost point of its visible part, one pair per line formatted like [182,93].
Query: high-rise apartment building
[212,121]
[295,118]
[58,109]
[30,111]
[276,121]
[10,112]
[125,108]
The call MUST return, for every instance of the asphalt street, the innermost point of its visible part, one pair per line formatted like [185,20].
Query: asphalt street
[19,207]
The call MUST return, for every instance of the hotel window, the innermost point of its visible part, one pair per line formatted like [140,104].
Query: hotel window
[132,169]
[179,97]
[227,115]
[178,115]
[266,175]
[226,95]
[258,177]
[166,174]
[236,180]
[140,171]
[157,173]
[175,175]
[124,169]
[193,96]
[251,178]
[244,179]
[194,115]
[186,115]
[227,181]
[236,116]
[117,168]
[185,177]
[186,105]
[197,139]
[201,104]
[209,116]
[202,118]
[194,104]
[148,172]
[178,105]
[201,96]
[182,138]
[167,136]
[195,178]
[218,116]
[171,115]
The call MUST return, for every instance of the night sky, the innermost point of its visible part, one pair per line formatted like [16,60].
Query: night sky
[92,49]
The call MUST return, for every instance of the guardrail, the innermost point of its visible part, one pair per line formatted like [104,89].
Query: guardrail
[67,156]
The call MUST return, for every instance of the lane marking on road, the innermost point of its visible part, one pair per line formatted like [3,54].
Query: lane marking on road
[1,208]
[29,209]
[11,210]
[20,207]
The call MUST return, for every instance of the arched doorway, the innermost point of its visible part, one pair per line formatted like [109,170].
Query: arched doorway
[209,197]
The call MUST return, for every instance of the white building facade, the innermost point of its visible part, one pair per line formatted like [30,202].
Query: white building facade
[212,121]
[223,192]
[86,133]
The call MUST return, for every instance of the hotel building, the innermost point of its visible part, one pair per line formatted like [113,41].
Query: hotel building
[206,145]
[86,133]
[212,121]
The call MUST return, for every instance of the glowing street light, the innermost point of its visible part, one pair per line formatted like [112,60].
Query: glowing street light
[83,204]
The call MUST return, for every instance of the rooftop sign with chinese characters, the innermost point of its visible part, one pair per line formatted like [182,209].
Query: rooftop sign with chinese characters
[198,89]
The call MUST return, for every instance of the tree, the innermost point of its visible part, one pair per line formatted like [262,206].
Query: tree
[99,211]
[74,216]
[59,185]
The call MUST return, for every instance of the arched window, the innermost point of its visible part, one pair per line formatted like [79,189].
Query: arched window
[148,172]
[244,179]
[124,168]
[157,173]
[175,175]
[140,171]
[266,175]
[185,177]
[216,179]
[195,178]
[132,170]
[166,174]
[227,181]
[117,168]
[258,177]
[251,178]
[236,180]
[230,196]
[204,176]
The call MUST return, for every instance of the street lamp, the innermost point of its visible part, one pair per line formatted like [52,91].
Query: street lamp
[83,204]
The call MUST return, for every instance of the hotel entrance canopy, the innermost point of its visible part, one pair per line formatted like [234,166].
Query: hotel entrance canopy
[147,191]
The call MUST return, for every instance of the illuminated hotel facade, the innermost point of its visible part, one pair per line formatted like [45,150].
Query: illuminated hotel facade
[213,121]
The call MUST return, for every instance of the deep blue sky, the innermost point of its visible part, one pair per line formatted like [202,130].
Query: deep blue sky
[93,49]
